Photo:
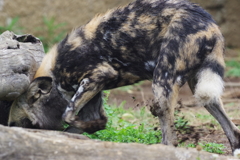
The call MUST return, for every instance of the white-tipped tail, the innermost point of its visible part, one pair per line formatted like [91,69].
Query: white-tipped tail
[209,87]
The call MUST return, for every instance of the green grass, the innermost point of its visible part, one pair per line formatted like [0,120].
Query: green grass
[209,147]
[55,32]
[12,25]
[180,122]
[125,126]
[233,68]
[207,118]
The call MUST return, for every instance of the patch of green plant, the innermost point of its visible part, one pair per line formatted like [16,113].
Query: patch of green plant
[127,133]
[233,68]
[203,116]
[181,123]
[54,32]
[128,125]
[189,145]
[123,126]
[207,117]
[12,25]
[209,147]
[213,147]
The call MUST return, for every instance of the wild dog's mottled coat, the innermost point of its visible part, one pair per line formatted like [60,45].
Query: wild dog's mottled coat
[169,41]
[133,39]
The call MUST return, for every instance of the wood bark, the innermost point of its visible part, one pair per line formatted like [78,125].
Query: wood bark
[20,57]
[18,143]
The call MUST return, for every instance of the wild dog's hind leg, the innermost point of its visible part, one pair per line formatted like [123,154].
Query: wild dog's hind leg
[208,89]
[166,94]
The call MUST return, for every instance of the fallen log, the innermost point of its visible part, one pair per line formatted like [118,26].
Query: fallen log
[19,143]
[20,57]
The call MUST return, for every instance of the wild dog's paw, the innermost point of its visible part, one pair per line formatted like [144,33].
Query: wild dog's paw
[89,126]
[72,129]
[68,115]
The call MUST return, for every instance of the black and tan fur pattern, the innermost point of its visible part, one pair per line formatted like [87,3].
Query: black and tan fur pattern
[169,41]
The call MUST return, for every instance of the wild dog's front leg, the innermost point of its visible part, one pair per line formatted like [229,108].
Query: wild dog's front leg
[86,91]
[90,118]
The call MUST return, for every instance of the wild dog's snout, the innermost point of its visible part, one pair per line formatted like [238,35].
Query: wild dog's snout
[68,114]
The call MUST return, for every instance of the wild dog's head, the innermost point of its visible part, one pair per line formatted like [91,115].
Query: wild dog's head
[41,106]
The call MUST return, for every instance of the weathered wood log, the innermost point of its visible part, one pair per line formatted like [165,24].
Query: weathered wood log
[18,143]
[20,57]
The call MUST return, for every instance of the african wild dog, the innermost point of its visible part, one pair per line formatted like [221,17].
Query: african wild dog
[169,41]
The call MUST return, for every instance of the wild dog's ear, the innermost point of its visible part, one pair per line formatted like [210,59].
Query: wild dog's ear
[38,87]
[44,84]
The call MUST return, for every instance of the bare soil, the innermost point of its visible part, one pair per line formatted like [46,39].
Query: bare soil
[202,126]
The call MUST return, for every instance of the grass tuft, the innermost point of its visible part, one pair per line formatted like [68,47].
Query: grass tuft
[12,25]
[127,125]
[123,126]
[208,147]
[55,32]
[233,68]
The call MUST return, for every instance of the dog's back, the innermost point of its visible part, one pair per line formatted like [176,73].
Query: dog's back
[135,38]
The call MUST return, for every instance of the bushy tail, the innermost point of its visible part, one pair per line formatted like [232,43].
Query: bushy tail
[210,83]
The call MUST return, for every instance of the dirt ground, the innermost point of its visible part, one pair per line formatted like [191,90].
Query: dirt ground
[204,126]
